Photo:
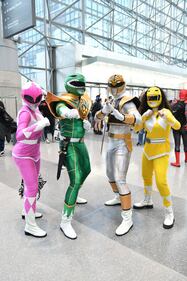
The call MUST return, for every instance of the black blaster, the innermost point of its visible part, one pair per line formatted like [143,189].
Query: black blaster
[62,155]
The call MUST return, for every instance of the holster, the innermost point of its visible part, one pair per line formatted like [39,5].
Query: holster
[62,155]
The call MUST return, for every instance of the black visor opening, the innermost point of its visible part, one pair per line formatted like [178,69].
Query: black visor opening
[153,98]
[117,85]
[78,84]
[31,100]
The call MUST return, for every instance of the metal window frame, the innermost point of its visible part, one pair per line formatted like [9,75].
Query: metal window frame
[111,39]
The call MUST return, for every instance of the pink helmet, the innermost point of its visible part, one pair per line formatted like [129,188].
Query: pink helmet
[31,93]
[183,95]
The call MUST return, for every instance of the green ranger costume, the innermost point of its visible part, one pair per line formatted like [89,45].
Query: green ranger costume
[72,109]
[77,159]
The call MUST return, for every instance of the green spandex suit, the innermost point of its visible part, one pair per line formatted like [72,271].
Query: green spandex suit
[77,159]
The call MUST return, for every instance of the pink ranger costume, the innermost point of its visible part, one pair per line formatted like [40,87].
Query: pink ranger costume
[26,152]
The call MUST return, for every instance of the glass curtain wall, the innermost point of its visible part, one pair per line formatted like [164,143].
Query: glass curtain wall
[150,29]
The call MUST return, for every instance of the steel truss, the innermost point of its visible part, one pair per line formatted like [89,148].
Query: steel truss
[149,29]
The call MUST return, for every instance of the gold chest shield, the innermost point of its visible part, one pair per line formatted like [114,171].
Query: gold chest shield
[82,104]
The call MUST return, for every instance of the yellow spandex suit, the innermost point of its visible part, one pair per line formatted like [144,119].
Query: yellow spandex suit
[157,124]
[157,120]
[156,151]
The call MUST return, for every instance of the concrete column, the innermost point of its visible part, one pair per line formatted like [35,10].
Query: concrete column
[68,61]
[10,79]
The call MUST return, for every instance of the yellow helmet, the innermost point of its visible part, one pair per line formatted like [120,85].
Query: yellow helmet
[116,84]
[154,97]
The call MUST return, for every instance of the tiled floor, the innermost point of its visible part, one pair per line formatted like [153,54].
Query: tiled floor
[147,252]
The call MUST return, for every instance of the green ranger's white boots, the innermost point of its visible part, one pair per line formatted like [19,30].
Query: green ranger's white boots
[67,228]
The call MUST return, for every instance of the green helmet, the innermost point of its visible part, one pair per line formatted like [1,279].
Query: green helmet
[75,84]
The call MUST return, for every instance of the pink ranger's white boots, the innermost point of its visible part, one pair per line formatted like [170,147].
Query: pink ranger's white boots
[31,228]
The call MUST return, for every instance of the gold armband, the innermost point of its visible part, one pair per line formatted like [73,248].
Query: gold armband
[114,186]
[129,119]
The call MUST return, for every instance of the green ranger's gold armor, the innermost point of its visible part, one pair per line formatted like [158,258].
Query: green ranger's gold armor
[72,109]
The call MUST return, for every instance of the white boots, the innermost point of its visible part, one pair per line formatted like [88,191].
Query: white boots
[126,224]
[113,202]
[146,203]
[31,228]
[37,215]
[125,202]
[81,200]
[169,218]
[67,228]
[65,224]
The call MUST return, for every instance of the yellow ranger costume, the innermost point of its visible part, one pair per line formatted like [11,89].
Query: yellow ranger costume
[121,117]
[158,132]
[157,120]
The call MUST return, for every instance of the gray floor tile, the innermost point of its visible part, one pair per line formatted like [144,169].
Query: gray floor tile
[147,252]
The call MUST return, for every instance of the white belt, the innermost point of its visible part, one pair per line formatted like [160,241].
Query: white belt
[29,141]
[158,140]
[72,139]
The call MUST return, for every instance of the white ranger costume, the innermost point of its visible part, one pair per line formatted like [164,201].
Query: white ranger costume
[121,117]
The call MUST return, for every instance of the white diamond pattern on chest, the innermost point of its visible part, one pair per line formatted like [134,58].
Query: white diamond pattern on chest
[152,122]
[162,122]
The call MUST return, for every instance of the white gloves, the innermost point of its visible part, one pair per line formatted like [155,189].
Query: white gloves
[86,125]
[118,115]
[163,113]
[44,122]
[73,113]
[107,109]
[166,115]
[69,113]
[147,114]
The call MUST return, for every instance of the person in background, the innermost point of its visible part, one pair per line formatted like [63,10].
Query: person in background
[90,118]
[179,109]
[157,120]
[44,109]
[7,127]
[97,128]
[141,133]
[141,137]
[26,152]
[3,129]
[122,115]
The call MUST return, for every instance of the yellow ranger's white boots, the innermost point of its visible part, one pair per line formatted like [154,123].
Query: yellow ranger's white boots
[146,203]
[126,224]
[169,218]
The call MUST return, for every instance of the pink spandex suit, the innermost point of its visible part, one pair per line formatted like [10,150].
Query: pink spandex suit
[26,152]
